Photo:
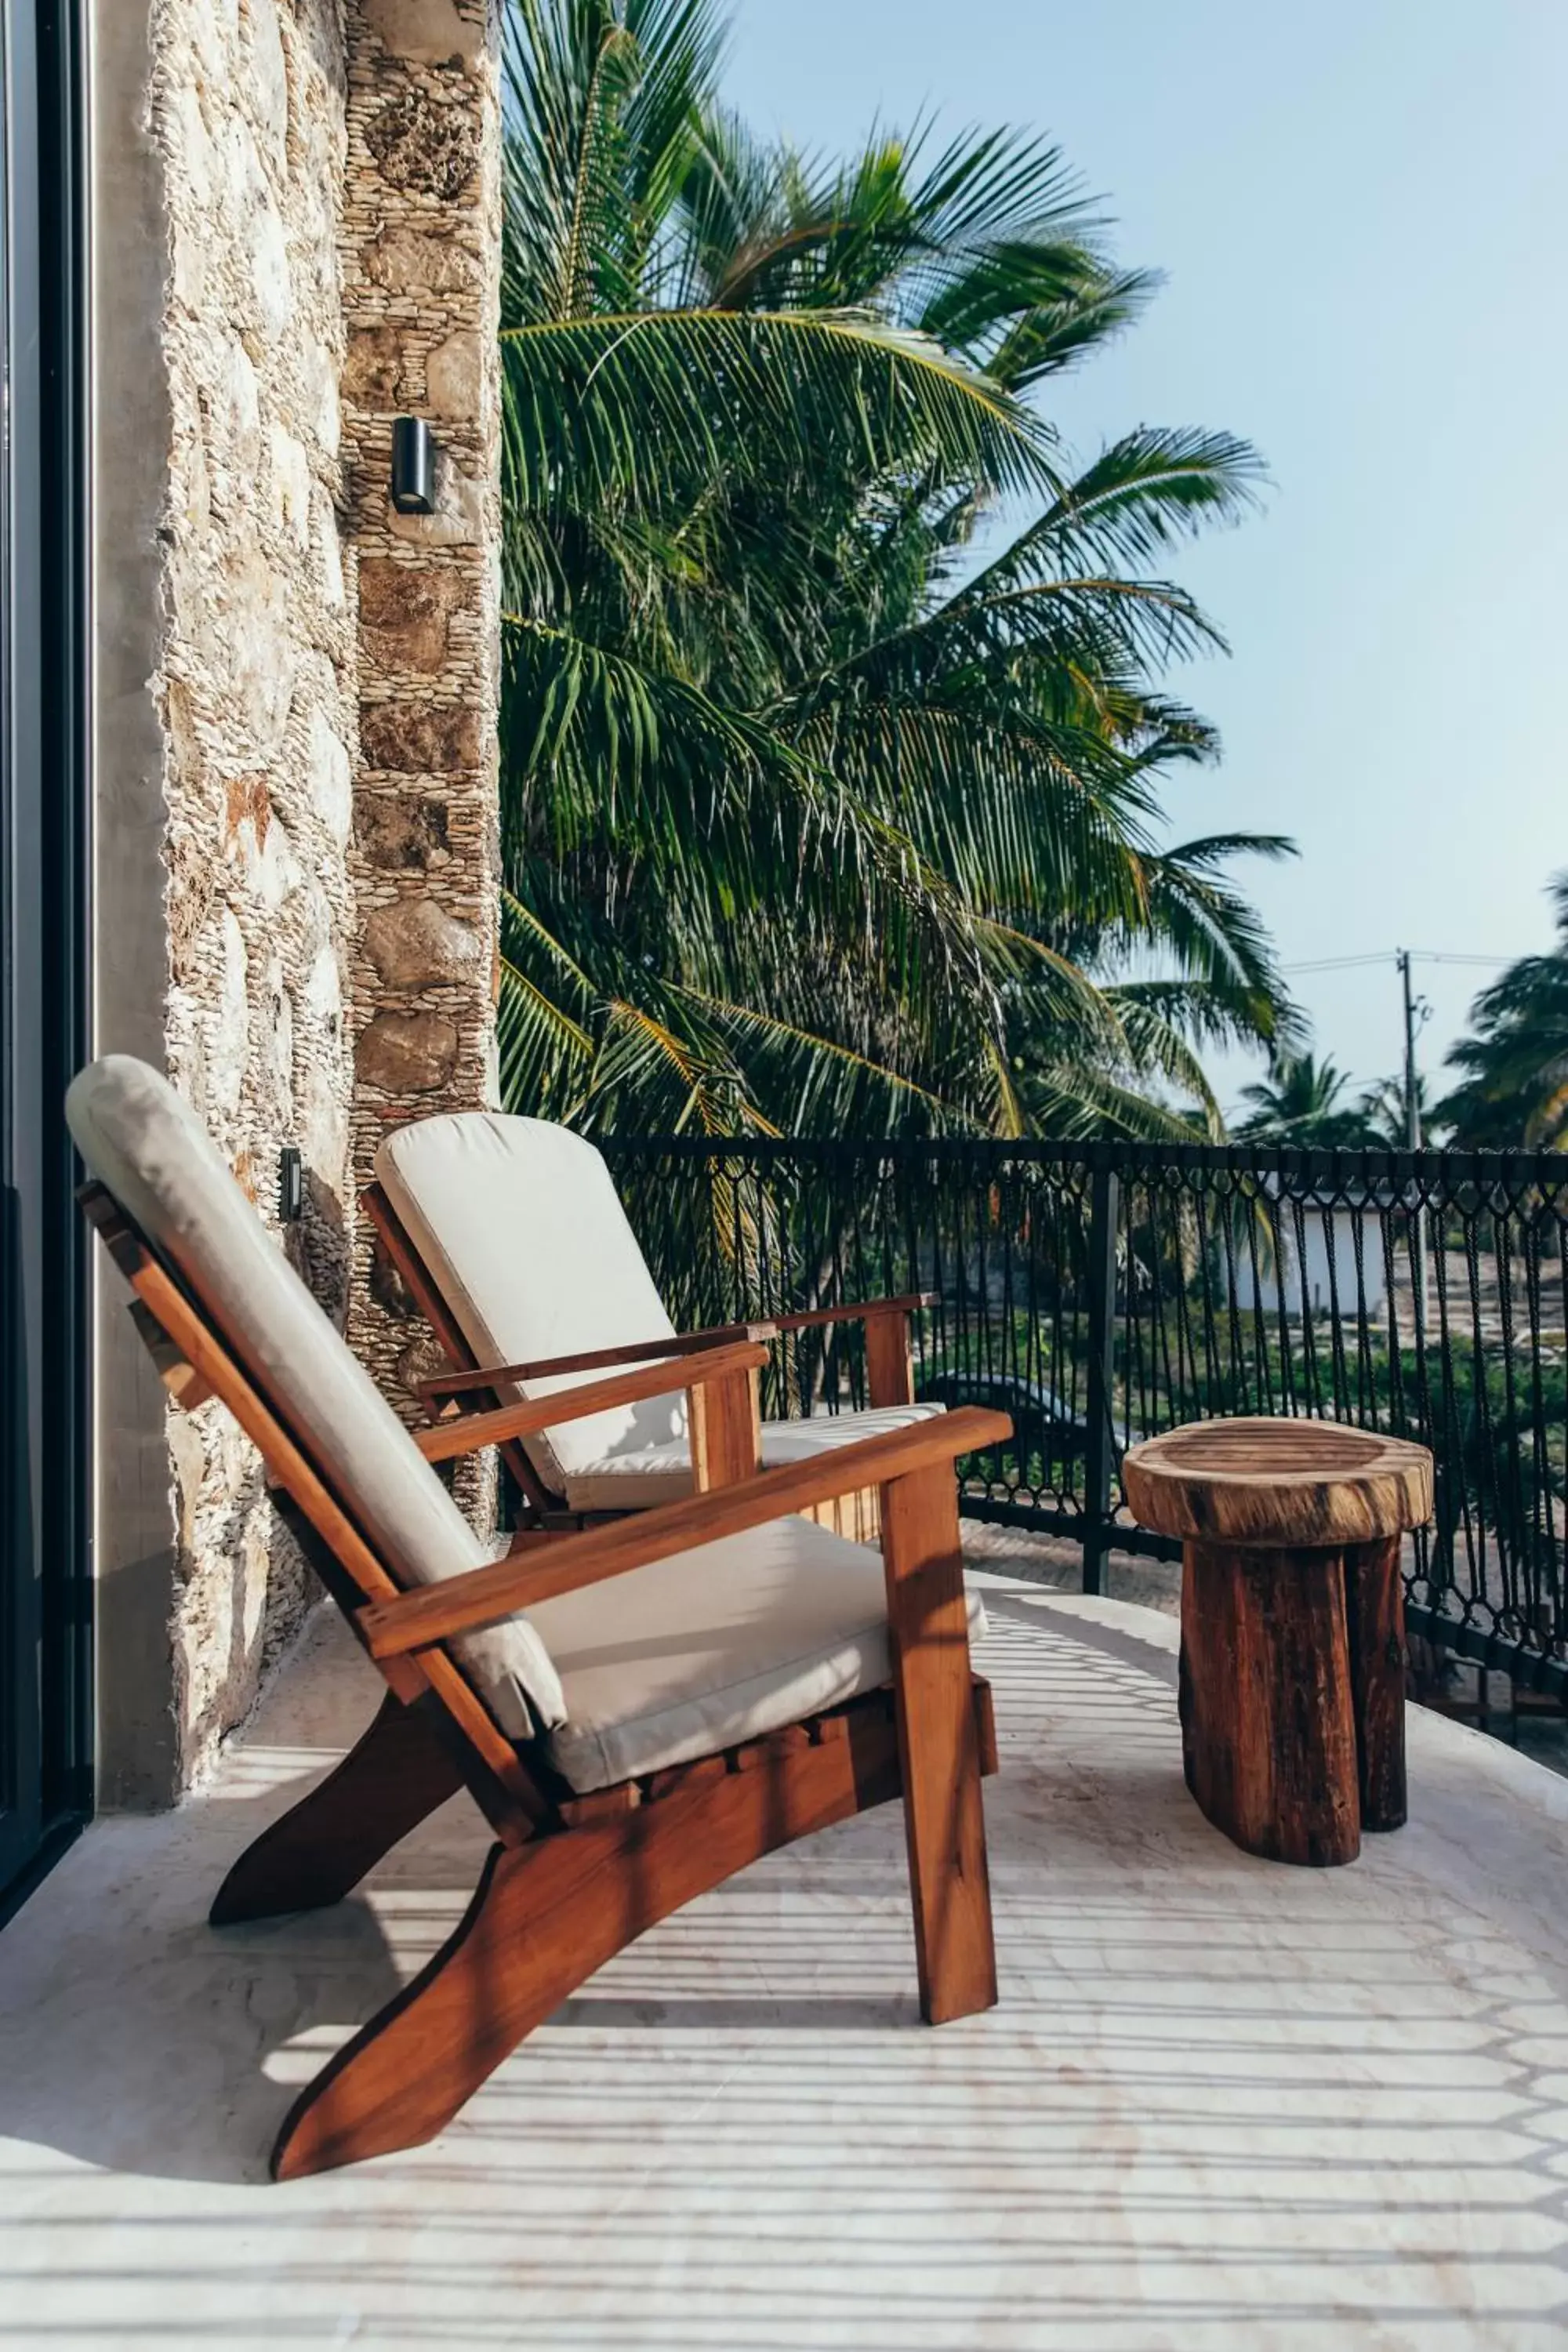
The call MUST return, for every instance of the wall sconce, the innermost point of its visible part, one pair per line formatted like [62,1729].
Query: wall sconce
[412,465]
[290,1185]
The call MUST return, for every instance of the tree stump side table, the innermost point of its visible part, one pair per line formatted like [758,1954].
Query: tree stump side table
[1292,1663]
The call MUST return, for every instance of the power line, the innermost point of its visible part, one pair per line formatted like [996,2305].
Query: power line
[1425,955]
[1338,963]
[1392,955]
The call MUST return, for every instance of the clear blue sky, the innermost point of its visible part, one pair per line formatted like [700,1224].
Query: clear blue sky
[1361,208]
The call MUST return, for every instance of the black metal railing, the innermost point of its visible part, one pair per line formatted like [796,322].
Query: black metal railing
[1099,1293]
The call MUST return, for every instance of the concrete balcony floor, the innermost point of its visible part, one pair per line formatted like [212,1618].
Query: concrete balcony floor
[1221,2104]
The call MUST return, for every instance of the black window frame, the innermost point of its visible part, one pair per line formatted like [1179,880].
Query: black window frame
[45,1587]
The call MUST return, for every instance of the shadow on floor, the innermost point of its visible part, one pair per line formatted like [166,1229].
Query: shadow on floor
[149,2042]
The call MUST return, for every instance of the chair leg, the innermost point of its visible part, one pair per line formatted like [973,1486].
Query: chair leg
[395,1775]
[543,1917]
[405,2074]
[939,1747]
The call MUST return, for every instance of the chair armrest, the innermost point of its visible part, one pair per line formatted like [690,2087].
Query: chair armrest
[889,1361]
[482,1596]
[443,1385]
[810,1316]
[469,1432]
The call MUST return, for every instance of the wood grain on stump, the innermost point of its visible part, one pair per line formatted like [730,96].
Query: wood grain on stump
[1292,1662]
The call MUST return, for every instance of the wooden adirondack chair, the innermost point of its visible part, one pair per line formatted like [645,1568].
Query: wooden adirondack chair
[513,1244]
[687,1689]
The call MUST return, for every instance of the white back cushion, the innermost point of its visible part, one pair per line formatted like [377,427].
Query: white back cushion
[157,1160]
[526,1239]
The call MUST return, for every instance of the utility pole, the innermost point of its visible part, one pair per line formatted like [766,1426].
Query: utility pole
[1413,1006]
[1412,1091]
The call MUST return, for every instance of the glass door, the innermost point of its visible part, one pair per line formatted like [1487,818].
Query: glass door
[45,1588]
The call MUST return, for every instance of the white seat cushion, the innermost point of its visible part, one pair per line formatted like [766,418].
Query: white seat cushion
[735,1639]
[157,1160]
[640,1480]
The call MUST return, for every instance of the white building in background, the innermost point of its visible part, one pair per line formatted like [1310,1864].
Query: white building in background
[1315,1261]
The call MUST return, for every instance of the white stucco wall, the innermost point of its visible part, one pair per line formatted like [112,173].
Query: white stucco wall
[1305,1275]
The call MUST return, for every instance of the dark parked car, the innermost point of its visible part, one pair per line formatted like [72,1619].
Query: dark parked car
[1042,1423]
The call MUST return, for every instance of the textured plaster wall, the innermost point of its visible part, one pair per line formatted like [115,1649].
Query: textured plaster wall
[255,687]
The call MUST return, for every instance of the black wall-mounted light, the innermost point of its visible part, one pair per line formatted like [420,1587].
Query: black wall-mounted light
[412,465]
[291,1184]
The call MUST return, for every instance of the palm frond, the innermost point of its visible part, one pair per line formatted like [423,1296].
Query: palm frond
[804,824]
[636,403]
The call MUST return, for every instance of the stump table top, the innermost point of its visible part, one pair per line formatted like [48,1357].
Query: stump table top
[1278,1484]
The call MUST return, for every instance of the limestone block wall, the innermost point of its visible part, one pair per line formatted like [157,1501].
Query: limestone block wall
[257,689]
[421,245]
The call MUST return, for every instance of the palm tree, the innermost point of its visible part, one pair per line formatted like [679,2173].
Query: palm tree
[1303,1101]
[1513,1089]
[1386,1114]
[810,818]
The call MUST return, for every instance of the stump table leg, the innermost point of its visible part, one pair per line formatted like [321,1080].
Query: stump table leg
[1374,1612]
[1268,1722]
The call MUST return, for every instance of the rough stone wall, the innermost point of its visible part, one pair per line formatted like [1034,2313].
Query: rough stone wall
[257,689]
[326,676]
[421,285]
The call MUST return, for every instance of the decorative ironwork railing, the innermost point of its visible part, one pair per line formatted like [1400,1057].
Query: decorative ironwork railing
[1101,1292]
